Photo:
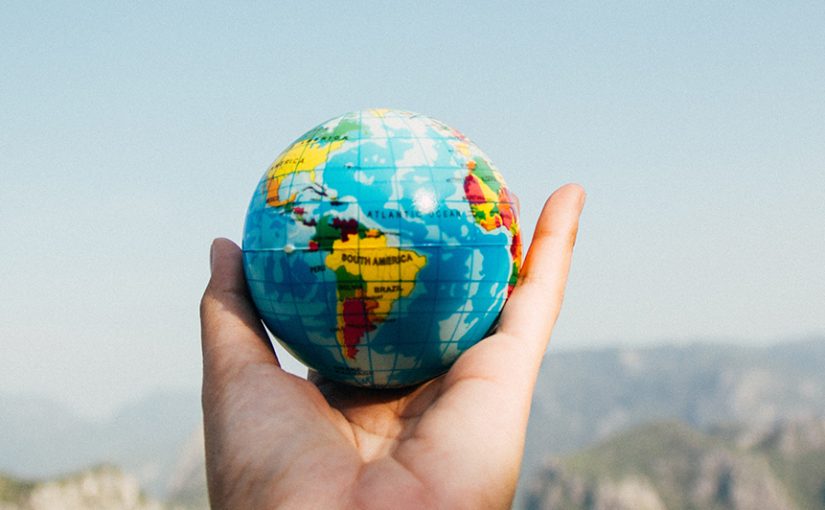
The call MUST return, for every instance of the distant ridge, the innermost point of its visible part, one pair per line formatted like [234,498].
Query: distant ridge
[586,396]
[582,398]
[41,439]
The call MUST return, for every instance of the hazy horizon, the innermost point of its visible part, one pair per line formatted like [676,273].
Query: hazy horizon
[104,415]
[131,136]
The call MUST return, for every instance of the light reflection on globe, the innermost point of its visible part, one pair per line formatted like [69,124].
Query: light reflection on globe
[379,246]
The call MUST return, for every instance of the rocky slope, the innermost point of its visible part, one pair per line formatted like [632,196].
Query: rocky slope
[100,488]
[670,466]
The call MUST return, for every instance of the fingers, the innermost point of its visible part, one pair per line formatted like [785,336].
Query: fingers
[232,335]
[531,311]
[513,355]
[490,386]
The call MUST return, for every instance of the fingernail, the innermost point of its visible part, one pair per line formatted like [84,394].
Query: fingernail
[211,253]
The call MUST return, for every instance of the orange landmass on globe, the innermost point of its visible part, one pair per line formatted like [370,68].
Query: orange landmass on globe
[492,207]
[302,156]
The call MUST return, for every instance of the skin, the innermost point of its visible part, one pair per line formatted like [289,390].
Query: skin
[275,440]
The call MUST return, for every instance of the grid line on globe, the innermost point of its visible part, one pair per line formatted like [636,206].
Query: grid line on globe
[379,246]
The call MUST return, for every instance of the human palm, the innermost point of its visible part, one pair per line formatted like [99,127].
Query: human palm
[275,440]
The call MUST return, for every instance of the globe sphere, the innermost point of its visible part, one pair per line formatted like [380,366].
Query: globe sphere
[379,246]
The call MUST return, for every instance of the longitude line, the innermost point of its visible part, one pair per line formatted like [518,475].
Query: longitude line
[294,171]
[358,255]
[438,254]
[400,298]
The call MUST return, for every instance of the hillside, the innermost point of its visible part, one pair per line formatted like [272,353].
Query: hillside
[670,466]
[584,397]
[99,488]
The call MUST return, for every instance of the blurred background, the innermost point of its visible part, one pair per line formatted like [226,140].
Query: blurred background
[686,369]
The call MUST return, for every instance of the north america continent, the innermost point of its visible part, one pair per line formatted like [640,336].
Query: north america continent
[305,155]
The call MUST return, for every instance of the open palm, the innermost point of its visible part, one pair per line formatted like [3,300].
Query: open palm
[275,440]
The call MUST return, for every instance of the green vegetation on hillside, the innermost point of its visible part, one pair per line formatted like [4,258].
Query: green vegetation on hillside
[670,466]
[669,454]
[796,453]
[13,490]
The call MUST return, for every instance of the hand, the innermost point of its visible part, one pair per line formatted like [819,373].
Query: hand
[275,440]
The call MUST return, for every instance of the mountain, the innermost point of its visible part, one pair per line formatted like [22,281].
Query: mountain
[186,485]
[670,466]
[98,488]
[583,397]
[41,439]
[147,437]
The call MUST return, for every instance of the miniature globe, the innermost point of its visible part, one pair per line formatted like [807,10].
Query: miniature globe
[379,246]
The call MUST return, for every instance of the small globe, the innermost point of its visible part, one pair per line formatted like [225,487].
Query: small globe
[379,246]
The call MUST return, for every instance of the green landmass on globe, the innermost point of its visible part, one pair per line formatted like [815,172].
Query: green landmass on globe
[379,246]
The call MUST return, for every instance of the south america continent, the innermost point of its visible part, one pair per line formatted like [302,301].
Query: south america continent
[370,278]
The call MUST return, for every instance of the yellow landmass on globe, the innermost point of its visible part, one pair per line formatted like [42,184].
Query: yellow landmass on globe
[463,148]
[303,156]
[379,112]
[371,278]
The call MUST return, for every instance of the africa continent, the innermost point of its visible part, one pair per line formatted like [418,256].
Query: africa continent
[492,207]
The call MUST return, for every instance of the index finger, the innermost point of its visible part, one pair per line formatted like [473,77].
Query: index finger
[513,355]
[532,309]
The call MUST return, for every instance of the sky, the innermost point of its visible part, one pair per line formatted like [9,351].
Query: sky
[132,135]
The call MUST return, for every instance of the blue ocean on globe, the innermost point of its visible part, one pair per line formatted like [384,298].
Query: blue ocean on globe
[379,246]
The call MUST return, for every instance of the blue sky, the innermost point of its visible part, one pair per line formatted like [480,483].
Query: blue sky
[130,136]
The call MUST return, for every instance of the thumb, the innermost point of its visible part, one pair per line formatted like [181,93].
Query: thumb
[232,335]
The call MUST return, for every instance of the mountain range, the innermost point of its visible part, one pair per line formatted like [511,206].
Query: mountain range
[582,399]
